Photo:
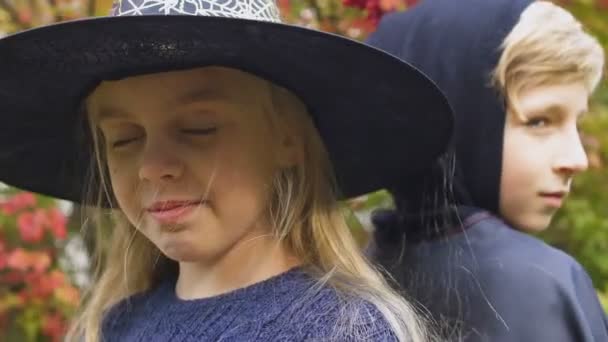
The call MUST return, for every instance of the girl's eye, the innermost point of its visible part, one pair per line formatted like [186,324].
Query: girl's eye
[192,131]
[123,142]
[200,131]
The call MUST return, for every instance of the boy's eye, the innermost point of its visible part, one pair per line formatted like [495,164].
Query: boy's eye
[537,122]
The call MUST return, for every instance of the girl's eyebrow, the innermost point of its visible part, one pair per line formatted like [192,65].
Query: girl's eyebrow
[199,95]
[109,112]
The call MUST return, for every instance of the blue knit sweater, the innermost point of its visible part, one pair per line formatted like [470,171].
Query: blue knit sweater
[288,307]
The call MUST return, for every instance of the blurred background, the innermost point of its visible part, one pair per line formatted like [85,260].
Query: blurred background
[45,259]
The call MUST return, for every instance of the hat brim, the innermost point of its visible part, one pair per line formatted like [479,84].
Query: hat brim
[380,119]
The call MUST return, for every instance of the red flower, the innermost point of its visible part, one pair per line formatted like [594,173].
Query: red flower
[18,202]
[377,8]
[56,279]
[18,259]
[284,5]
[24,297]
[42,285]
[53,326]
[372,7]
[31,226]
[23,260]
[3,254]
[11,278]
[28,275]
[68,294]
[57,224]
[40,261]
[25,16]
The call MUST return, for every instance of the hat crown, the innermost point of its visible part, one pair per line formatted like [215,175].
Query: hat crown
[263,10]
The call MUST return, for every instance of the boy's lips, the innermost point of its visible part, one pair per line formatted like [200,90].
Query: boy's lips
[554,199]
[560,194]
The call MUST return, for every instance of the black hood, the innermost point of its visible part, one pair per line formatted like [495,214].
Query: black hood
[457,44]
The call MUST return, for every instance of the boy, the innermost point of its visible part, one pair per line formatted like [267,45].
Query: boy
[516,151]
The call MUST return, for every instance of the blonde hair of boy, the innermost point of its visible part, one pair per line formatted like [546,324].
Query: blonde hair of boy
[547,46]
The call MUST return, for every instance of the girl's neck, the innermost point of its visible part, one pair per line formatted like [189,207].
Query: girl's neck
[246,263]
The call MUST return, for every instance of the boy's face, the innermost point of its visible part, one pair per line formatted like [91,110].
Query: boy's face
[192,156]
[541,154]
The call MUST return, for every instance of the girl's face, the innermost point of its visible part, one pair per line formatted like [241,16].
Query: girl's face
[191,156]
[541,154]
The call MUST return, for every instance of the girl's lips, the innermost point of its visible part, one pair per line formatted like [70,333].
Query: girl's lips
[173,211]
[166,205]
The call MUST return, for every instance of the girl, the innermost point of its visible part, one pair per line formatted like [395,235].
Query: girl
[212,139]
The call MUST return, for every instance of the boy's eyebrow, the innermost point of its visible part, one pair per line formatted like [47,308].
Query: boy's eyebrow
[557,107]
[552,108]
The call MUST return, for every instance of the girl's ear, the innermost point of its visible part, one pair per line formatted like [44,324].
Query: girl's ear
[289,147]
[290,142]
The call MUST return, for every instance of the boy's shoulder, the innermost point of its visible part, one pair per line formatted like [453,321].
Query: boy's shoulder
[496,279]
[520,278]
[490,255]
[491,245]
[494,242]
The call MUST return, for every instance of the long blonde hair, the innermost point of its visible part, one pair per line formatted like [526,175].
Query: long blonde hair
[547,46]
[307,218]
